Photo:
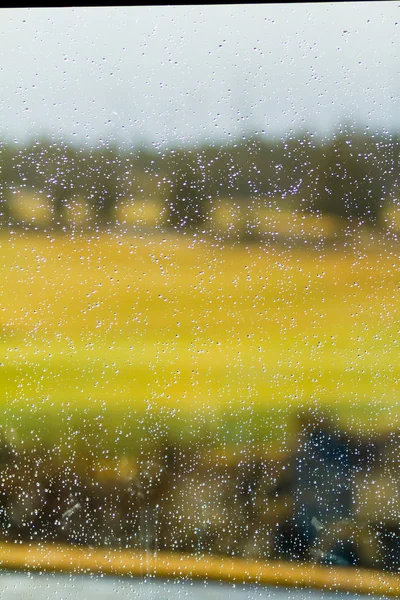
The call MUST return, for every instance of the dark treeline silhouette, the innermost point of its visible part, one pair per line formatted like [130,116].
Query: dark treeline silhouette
[351,175]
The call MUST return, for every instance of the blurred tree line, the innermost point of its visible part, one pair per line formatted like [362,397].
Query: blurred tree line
[351,175]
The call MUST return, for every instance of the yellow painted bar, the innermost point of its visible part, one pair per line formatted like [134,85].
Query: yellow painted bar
[235,570]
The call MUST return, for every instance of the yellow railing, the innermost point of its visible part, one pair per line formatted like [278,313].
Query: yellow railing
[165,565]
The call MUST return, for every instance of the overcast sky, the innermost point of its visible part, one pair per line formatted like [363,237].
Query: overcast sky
[190,73]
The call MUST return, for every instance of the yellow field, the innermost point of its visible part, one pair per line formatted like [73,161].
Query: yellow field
[193,335]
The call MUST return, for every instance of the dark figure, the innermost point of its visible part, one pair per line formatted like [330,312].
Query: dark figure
[319,479]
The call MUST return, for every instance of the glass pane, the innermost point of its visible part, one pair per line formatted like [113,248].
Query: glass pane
[199,235]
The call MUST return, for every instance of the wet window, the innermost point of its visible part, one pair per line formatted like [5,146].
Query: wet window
[199,238]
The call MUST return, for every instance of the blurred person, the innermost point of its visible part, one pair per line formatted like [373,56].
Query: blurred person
[320,481]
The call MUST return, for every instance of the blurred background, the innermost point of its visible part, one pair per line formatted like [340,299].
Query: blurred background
[199,264]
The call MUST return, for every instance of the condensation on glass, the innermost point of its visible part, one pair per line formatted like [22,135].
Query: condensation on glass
[199,238]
